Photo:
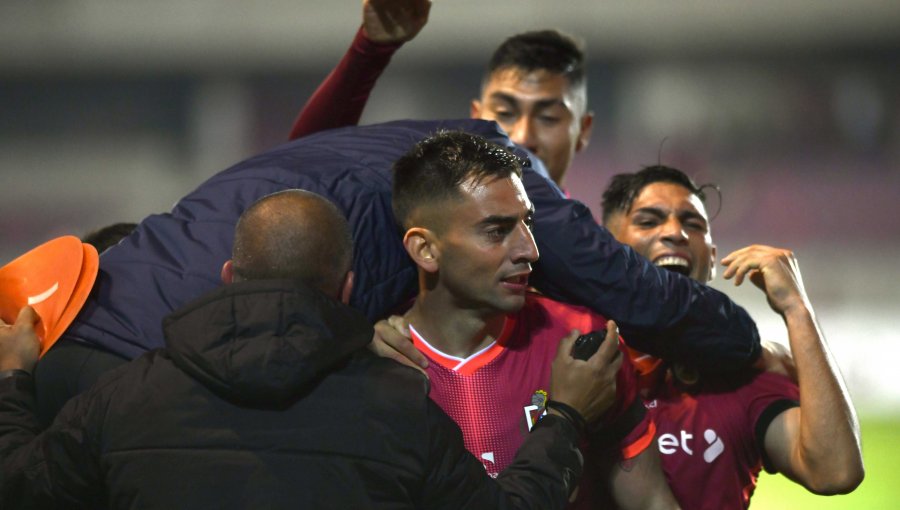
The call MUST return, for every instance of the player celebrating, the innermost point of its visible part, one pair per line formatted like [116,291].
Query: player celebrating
[490,342]
[717,432]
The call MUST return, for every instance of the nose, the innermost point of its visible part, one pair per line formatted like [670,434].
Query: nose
[524,250]
[673,231]
[523,133]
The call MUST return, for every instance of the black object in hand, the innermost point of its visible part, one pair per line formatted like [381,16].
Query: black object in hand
[586,345]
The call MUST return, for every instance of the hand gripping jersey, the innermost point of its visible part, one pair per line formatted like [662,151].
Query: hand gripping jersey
[711,440]
[498,393]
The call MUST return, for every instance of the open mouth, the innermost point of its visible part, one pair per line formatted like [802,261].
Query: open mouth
[521,279]
[675,264]
[518,283]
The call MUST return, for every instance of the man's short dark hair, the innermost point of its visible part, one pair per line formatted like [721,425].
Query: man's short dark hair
[108,236]
[543,50]
[434,168]
[623,189]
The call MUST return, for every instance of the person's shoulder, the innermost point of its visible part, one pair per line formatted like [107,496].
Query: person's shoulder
[770,382]
[368,367]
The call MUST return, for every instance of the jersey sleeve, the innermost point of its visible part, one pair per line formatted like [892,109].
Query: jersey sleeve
[767,396]
[626,426]
[340,99]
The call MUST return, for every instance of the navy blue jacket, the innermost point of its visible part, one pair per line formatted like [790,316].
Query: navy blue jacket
[173,258]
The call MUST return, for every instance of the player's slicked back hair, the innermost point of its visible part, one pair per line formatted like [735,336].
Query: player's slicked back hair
[544,50]
[434,169]
[293,234]
[624,188]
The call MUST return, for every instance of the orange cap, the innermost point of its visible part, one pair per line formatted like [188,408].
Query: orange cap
[55,279]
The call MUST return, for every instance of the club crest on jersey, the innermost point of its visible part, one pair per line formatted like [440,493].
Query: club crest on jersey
[535,409]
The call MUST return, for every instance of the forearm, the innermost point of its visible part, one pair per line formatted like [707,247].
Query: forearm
[340,99]
[52,468]
[581,262]
[639,483]
[18,428]
[546,469]
[827,450]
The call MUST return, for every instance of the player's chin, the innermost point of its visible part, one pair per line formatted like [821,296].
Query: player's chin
[511,303]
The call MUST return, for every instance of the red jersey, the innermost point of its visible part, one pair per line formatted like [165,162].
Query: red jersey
[497,394]
[711,440]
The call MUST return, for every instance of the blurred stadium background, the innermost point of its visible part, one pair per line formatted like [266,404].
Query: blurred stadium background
[112,110]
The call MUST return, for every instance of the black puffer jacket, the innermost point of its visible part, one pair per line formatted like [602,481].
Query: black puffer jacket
[265,398]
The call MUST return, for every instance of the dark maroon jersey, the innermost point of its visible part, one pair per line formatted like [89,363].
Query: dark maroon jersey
[711,438]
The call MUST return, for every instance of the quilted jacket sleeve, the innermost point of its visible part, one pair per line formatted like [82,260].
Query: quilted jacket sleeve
[57,468]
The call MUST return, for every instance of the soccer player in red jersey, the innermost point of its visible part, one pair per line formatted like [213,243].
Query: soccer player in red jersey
[490,342]
[715,434]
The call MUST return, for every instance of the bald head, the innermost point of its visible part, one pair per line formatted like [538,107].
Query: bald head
[293,234]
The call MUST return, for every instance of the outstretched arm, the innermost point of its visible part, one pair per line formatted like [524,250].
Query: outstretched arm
[661,313]
[639,483]
[340,99]
[817,444]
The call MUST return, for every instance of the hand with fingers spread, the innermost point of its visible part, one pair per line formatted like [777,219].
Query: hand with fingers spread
[19,344]
[392,340]
[774,270]
[588,386]
[394,21]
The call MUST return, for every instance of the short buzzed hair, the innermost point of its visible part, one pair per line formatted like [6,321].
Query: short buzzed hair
[543,50]
[293,234]
[623,189]
[433,170]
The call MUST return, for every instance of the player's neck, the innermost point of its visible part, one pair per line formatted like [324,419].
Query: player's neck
[451,330]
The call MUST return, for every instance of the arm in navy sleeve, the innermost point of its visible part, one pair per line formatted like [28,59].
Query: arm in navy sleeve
[659,312]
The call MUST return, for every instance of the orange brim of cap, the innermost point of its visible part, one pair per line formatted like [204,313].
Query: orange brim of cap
[55,279]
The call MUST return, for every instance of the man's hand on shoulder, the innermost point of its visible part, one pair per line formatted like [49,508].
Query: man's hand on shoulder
[19,344]
[394,21]
[392,340]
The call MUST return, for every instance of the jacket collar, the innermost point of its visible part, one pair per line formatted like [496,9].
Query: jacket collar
[262,342]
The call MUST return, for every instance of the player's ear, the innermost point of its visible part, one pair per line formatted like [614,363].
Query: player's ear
[475,109]
[421,245]
[584,135]
[346,288]
[227,273]
[712,264]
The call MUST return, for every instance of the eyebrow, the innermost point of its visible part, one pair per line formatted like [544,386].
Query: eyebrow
[659,212]
[498,219]
[541,103]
